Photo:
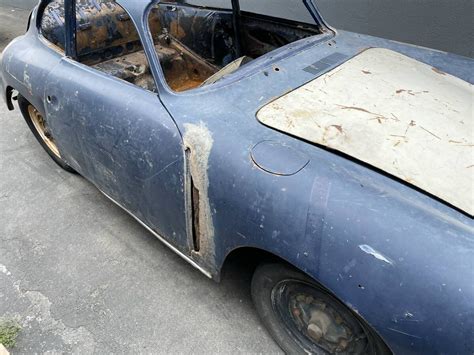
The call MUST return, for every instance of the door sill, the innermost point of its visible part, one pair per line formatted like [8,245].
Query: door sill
[162,239]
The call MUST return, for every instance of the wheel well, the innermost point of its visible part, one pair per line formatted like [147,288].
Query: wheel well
[9,98]
[247,259]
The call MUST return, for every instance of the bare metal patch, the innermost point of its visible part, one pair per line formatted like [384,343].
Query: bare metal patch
[199,141]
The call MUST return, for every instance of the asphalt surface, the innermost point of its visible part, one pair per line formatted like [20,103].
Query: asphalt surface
[81,276]
[13,22]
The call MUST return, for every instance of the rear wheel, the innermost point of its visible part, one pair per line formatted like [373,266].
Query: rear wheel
[39,127]
[304,318]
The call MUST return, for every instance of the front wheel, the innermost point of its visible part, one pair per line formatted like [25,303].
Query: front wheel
[39,127]
[304,318]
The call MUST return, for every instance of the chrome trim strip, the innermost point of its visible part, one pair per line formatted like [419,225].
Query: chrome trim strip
[163,240]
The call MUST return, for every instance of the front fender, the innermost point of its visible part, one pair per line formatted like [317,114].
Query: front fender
[397,257]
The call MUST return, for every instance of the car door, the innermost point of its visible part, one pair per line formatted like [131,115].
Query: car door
[121,138]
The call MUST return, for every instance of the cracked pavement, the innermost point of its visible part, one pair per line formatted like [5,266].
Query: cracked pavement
[81,276]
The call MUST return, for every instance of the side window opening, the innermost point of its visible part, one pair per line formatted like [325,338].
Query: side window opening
[196,42]
[106,39]
[192,42]
[52,24]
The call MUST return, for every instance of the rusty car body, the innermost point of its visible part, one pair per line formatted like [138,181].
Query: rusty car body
[225,131]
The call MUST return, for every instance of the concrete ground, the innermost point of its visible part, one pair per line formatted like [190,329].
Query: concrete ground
[81,276]
[13,22]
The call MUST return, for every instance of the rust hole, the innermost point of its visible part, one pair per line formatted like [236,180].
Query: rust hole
[195,201]
[195,216]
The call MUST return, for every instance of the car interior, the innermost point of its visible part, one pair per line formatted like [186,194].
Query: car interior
[196,45]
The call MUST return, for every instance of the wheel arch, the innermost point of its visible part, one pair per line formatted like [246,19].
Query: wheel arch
[257,256]
[253,254]
[9,97]
[12,94]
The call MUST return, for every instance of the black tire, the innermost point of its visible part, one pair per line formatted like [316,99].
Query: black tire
[274,284]
[24,108]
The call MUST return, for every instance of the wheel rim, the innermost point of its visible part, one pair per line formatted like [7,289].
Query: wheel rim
[316,321]
[40,126]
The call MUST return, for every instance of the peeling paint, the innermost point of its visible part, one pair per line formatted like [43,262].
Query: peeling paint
[402,120]
[376,254]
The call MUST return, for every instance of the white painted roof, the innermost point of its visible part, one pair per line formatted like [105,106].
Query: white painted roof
[394,113]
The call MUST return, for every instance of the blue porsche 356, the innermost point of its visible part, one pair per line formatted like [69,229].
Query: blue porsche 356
[343,161]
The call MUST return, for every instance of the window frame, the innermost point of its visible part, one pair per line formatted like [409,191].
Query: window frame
[39,19]
[70,28]
[70,49]
[258,64]
[141,24]
[71,53]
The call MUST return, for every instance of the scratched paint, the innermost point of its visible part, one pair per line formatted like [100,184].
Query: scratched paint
[441,237]
[376,254]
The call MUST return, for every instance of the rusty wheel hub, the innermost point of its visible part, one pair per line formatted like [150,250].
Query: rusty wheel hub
[317,321]
[40,125]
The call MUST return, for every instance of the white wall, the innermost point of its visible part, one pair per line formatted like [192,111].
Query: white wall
[442,24]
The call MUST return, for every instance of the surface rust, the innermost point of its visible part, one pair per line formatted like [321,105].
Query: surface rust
[193,43]
[198,140]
